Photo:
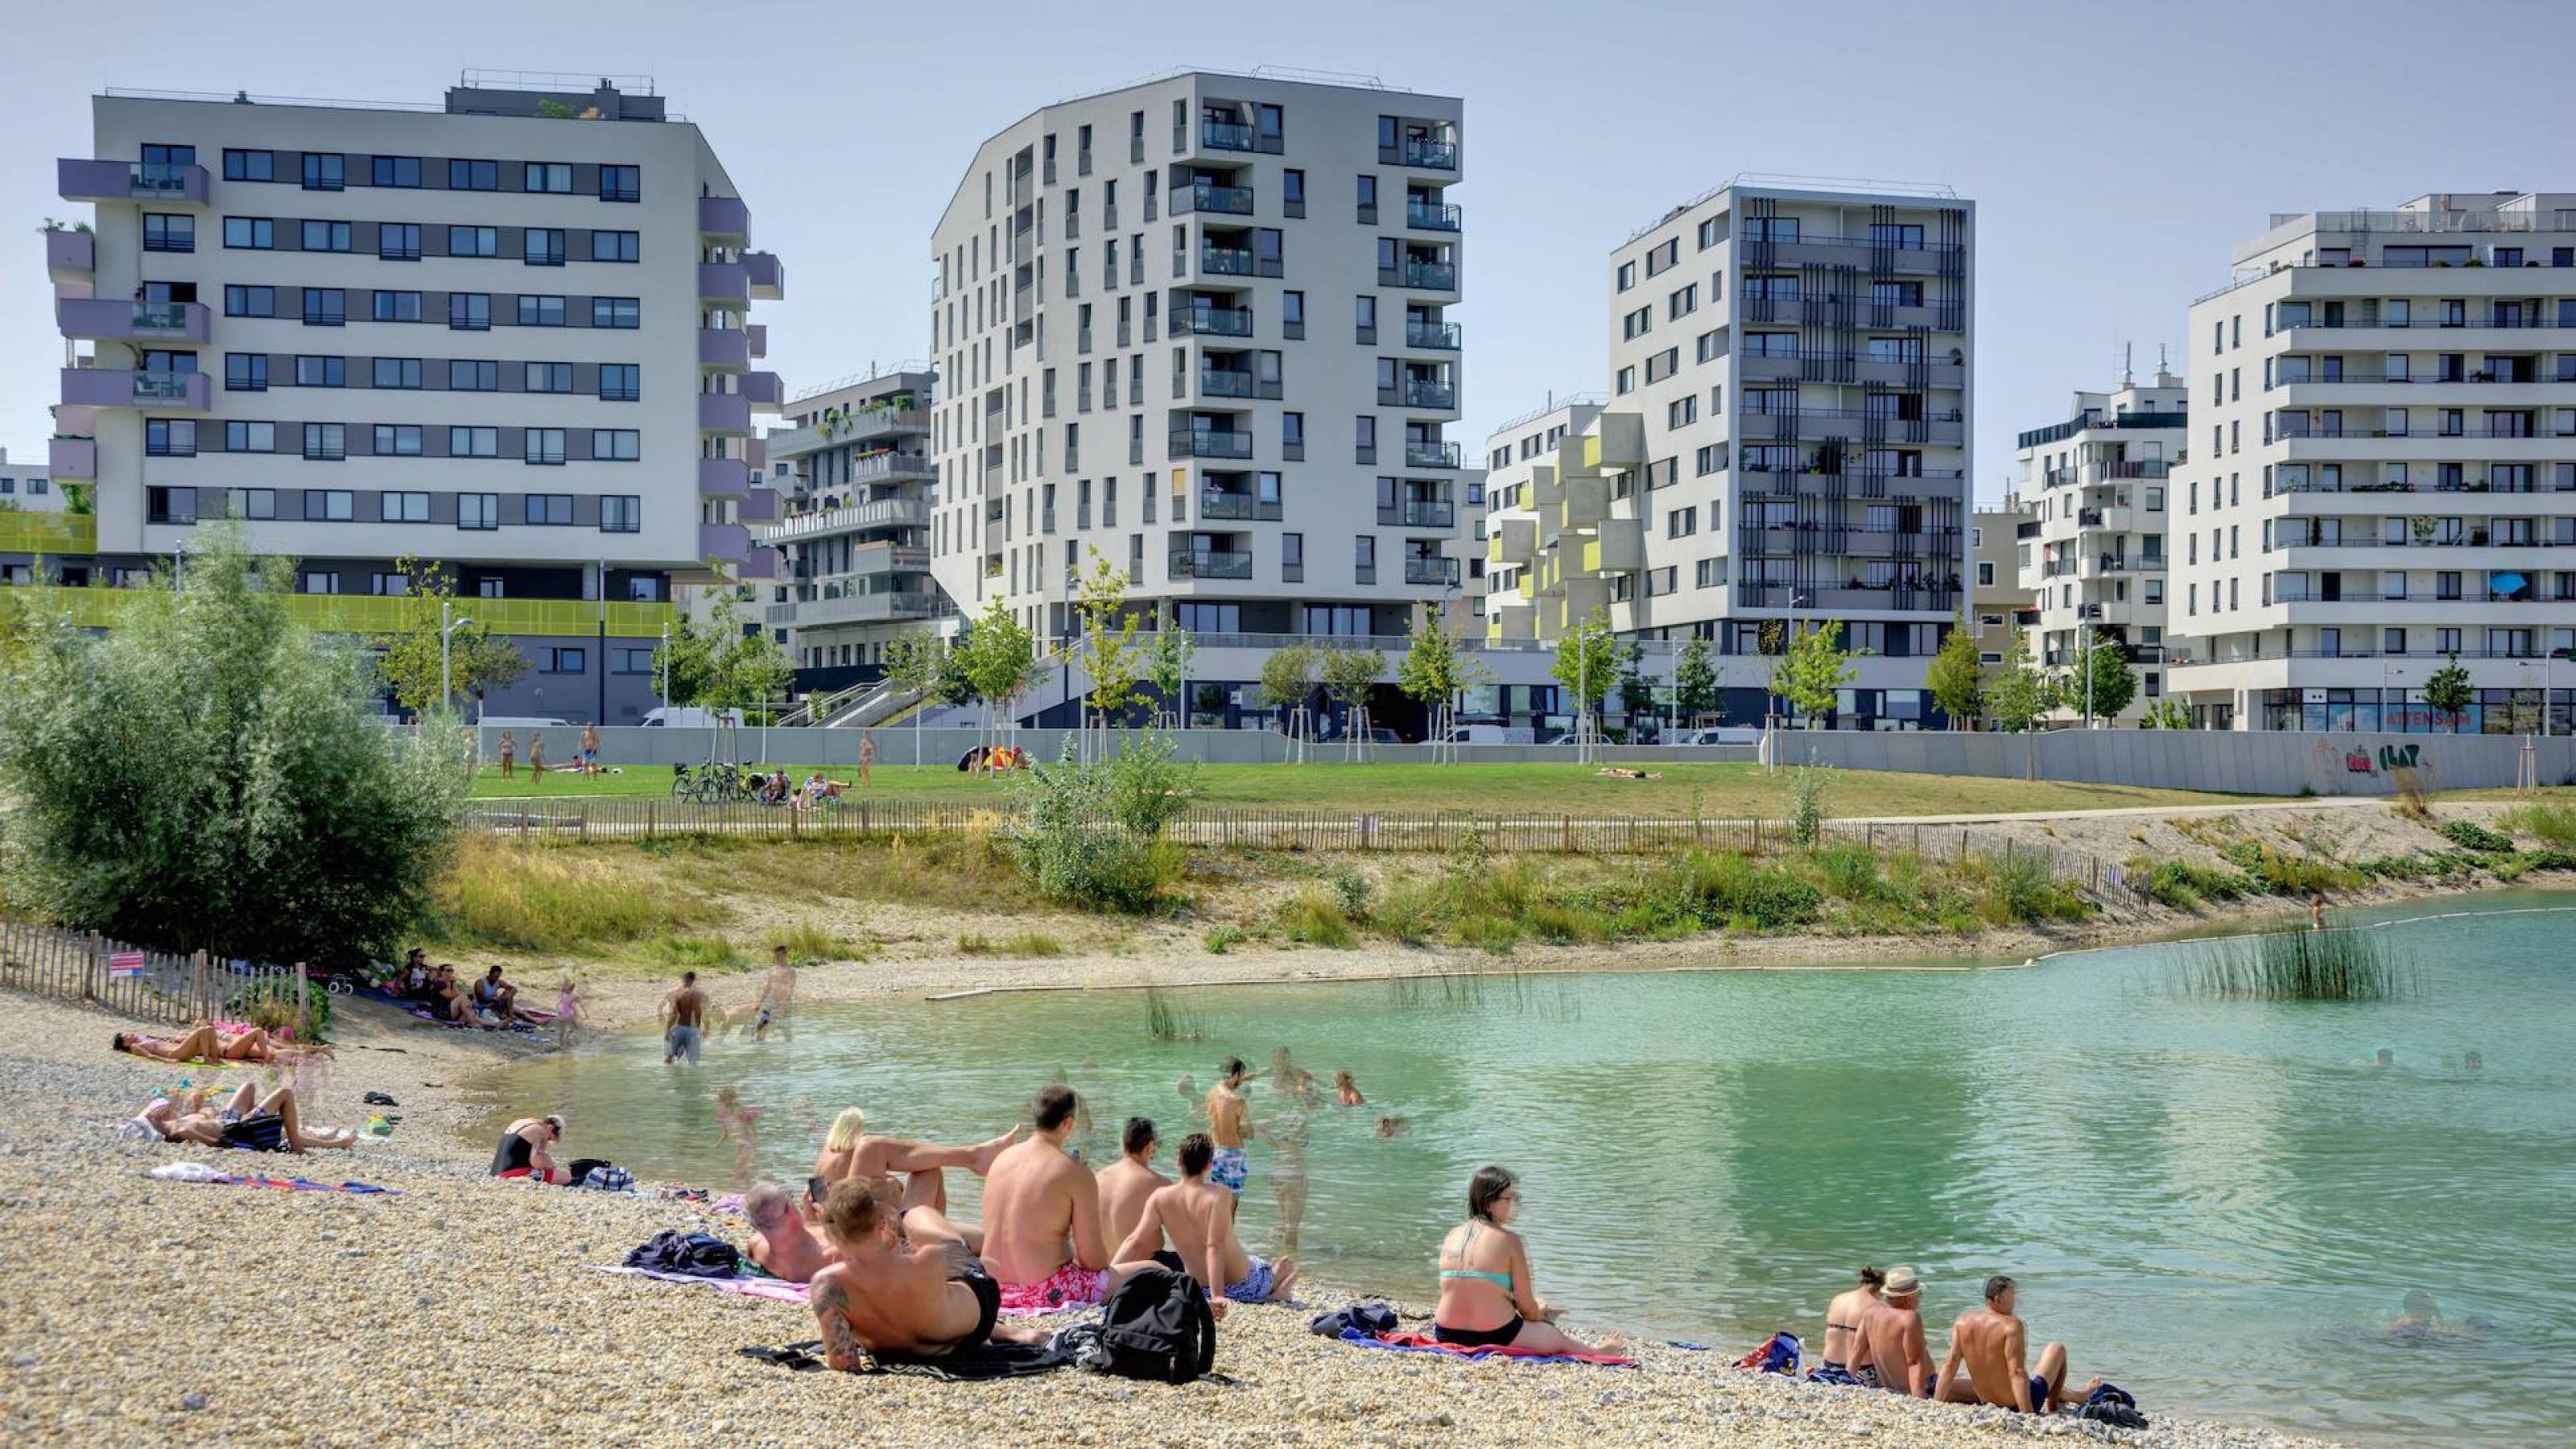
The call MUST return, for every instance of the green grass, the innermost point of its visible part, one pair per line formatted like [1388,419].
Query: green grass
[2551,821]
[1026,943]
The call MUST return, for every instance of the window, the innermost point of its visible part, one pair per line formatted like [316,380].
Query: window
[467,375]
[1368,198]
[463,175]
[329,505]
[469,311]
[1627,275]
[1681,522]
[398,440]
[1664,256]
[1681,412]
[393,586]
[1292,313]
[630,661]
[326,236]
[550,508]
[1627,379]
[405,507]
[564,660]
[247,437]
[544,446]
[245,372]
[1663,364]
[324,170]
[542,246]
[242,233]
[473,442]
[1292,191]
[175,233]
[616,246]
[620,382]
[551,177]
[616,445]
[478,510]
[325,443]
[394,170]
[250,166]
[316,581]
[321,372]
[1771,228]
[397,306]
[621,183]
[325,306]
[1985,575]
[620,312]
[1711,459]
[621,513]
[1639,321]
[240,301]
[398,241]
[1365,430]
[1682,303]
[397,372]
[250,503]
[473,241]
[537,311]
[170,437]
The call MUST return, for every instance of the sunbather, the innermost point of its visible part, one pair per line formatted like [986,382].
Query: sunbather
[1888,1351]
[205,1043]
[849,1150]
[1991,1344]
[781,1240]
[924,1294]
[1486,1297]
[262,1124]
[1842,1330]
[526,1150]
[1197,1216]
[1126,1183]
[1042,1235]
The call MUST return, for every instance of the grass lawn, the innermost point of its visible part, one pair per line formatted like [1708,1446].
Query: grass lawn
[1713,790]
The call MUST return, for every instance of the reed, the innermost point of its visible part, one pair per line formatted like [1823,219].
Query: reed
[2338,965]
[1168,1020]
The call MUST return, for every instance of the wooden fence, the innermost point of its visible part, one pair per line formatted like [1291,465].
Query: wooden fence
[80,967]
[1520,832]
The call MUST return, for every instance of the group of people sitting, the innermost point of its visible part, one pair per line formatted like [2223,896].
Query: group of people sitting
[488,1001]
[1874,1339]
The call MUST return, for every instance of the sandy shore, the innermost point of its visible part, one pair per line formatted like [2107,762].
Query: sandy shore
[142,1311]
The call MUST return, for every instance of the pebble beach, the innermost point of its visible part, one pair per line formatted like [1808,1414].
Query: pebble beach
[459,1310]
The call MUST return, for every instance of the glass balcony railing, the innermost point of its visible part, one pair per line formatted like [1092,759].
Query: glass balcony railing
[1218,383]
[1418,454]
[1429,513]
[1208,196]
[1225,135]
[1439,395]
[1437,276]
[1226,261]
[1213,322]
[1430,216]
[1438,155]
[1211,443]
[161,386]
[160,316]
[1441,335]
[1228,506]
[1431,571]
[158,178]
[1212,564]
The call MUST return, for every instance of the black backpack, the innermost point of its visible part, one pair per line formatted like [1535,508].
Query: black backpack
[1155,1326]
[2111,1404]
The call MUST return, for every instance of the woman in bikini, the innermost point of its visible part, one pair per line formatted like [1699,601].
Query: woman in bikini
[1347,1092]
[206,1044]
[1486,1298]
[1842,1330]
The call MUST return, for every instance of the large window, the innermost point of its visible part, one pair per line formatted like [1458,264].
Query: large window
[398,241]
[394,170]
[554,177]
[325,307]
[399,440]
[397,372]
[544,446]
[245,301]
[250,166]
[249,437]
[621,183]
[242,233]
[469,311]
[311,371]
[468,375]
[245,372]
[324,170]
[478,510]
[174,233]
[554,509]
[621,513]
[474,442]
[170,437]
[616,246]
[620,382]
[463,175]
[397,307]
[473,241]
[329,505]
[405,507]
[325,443]
[535,311]
[620,312]
[542,246]
[616,445]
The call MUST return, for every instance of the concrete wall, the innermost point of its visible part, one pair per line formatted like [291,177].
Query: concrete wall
[2232,761]
[639,747]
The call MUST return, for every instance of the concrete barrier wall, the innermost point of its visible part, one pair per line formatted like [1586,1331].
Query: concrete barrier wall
[2230,761]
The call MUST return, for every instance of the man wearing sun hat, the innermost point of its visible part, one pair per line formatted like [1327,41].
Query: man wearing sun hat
[1890,1352]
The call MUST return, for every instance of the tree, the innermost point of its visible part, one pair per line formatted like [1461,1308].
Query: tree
[1107,648]
[473,661]
[713,663]
[1428,674]
[1636,691]
[205,775]
[2168,713]
[2022,696]
[1695,681]
[1587,661]
[2105,667]
[1287,681]
[1956,680]
[1002,660]
[1811,675]
[2447,690]
[912,661]
[753,673]
[1167,665]
[1348,676]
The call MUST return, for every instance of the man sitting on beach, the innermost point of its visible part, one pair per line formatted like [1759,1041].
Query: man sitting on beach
[1126,1183]
[497,996]
[781,1241]
[1042,1233]
[925,1294]
[1888,1349]
[1230,1124]
[1198,1216]
[1991,1343]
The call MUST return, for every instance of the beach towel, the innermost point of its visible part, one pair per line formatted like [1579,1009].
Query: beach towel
[978,1364]
[198,1172]
[770,1288]
[1425,1343]
[1777,1355]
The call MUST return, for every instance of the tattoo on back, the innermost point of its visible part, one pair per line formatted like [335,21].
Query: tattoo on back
[841,1347]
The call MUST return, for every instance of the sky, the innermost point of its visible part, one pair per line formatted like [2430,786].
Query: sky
[2116,154]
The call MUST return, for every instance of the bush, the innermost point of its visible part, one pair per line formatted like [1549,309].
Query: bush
[2468,835]
[1315,918]
[1723,888]
[2546,820]
[2184,886]
[2286,875]
[1807,804]
[1851,872]
[1220,939]
[205,775]
[269,1004]
[1352,889]
[2021,890]
[1089,834]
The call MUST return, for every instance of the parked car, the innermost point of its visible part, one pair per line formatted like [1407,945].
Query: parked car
[689,717]
[1381,735]
[1492,734]
[1721,735]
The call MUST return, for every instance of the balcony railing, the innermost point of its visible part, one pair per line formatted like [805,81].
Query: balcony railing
[1209,196]
[1222,505]
[1430,216]
[1226,261]
[1421,513]
[1442,336]
[1429,276]
[1421,151]
[1212,564]
[1431,571]
[1419,454]
[1210,443]
[1215,382]
[1225,135]
[1212,322]
[1439,396]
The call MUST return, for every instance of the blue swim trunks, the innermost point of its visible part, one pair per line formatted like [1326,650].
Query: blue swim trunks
[1230,1169]
[1254,1286]
[682,1041]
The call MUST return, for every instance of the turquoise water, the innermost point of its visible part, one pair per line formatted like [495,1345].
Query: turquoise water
[2213,1204]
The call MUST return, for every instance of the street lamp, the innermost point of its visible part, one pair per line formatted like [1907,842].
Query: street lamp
[446,633]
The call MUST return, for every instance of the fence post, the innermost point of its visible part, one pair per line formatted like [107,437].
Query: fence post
[585,822]
[303,1009]
[89,970]
[648,820]
[197,1007]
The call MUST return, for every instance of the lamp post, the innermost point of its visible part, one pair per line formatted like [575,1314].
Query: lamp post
[446,633]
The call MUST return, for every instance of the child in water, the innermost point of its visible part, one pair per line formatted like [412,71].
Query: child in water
[567,1012]
[735,1123]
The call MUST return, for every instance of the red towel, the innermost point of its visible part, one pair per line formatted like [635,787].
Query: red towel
[1424,1340]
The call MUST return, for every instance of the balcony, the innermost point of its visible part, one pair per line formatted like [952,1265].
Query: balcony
[1225,135]
[724,283]
[119,388]
[1440,571]
[857,518]
[1212,564]
[1420,513]
[1208,196]
[1209,443]
[1220,261]
[1437,396]
[766,274]
[1420,454]
[1212,322]
[724,218]
[1430,216]
[889,558]
[70,255]
[764,390]
[758,332]
[1215,504]
[758,505]
[1420,151]
[108,318]
[858,608]
[1220,382]
[891,463]
[1432,336]
[724,348]
[729,542]
[71,457]
[81,180]
[1426,276]
[723,477]
[723,412]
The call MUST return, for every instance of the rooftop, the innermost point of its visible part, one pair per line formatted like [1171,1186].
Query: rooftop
[1778,183]
[478,92]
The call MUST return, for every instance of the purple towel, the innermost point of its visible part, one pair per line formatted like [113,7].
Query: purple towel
[772,1288]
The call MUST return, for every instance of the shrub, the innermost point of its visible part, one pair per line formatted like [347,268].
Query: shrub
[2020,889]
[1315,918]
[1404,912]
[1723,888]
[1220,939]
[269,1004]
[1851,872]
[701,952]
[1352,889]
[2469,835]
[2286,875]
[974,943]
[1089,834]
[1807,804]
[2546,820]
[2183,885]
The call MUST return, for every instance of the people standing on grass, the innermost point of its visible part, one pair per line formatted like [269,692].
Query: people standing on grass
[509,754]
[536,757]
[589,760]
[867,755]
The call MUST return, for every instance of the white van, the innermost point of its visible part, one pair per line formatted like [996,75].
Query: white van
[1727,735]
[684,717]
[1491,734]
[520,722]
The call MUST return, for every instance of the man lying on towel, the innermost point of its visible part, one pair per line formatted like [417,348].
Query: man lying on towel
[1042,1235]
[1198,1216]
[923,1295]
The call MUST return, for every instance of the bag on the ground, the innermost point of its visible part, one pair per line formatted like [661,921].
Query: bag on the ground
[1370,1319]
[2110,1404]
[699,1255]
[1155,1326]
[1777,1355]
[608,1179]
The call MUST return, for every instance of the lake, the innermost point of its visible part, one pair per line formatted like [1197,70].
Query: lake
[2214,1204]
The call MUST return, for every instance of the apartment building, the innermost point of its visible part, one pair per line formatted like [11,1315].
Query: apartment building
[1784,442]
[1522,488]
[26,488]
[1199,327]
[2091,551]
[1997,600]
[2386,472]
[854,471]
[508,333]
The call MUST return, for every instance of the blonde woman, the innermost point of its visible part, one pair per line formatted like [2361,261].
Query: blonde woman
[850,1151]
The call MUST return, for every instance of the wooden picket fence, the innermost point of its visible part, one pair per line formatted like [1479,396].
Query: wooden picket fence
[181,989]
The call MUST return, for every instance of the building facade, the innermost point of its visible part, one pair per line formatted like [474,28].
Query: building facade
[2091,550]
[1997,600]
[2385,477]
[509,335]
[1199,328]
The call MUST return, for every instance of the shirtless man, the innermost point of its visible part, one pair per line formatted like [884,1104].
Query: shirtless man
[781,1241]
[1991,1343]
[850,1151]
[1230,1124]
[1887,1344]
[1126,1183]
[1198,1217]
[683,1016]
[924,1295]
[777,994]
[1042,1235]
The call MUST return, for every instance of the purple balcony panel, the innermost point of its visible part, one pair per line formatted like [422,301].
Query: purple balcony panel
[723,477]
[758,563]
[756,453]
[763,389]
[72,457]
[723,347]
[720,412]
[71,251]
[724,216]
[725,541]
[760,505]
[724,282]
[119,388]
[759,334]
[85,180]
[116,318]
[768,275]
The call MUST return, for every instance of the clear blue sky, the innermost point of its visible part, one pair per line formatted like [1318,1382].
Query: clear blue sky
[2115,153]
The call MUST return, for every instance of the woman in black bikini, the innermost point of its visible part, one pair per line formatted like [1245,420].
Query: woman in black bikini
[1486,1299]
[1842,1332]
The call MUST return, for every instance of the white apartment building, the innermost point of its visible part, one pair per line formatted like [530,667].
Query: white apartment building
[854,471]
[26,488]
[1785,440]
[2091,547]
[2386,477]
[1200,326]
[508,334]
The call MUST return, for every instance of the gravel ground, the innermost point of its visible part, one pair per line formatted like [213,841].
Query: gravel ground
[139,1311]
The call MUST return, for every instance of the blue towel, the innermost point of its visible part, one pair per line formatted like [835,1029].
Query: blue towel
[1366,1318]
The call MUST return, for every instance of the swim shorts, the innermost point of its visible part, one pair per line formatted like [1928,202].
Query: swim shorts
[1230,1169]
[2038,1394]
[258,1132]
[1254,1286]
[1071,1286]
[988,1301]
[681,1041]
